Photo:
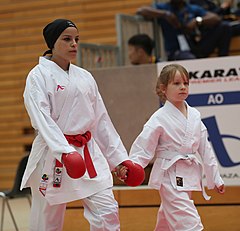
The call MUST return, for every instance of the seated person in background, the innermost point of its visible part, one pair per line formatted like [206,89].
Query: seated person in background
[189,31]
[140,48]
[225,9]
[219,7]
[222,8]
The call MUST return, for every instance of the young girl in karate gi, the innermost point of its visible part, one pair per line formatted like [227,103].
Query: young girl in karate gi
[76,146]
[178,140]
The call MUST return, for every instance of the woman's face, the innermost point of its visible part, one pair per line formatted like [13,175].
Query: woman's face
[65,48]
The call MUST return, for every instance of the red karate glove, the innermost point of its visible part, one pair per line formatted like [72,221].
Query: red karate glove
[135,173]
[74,164]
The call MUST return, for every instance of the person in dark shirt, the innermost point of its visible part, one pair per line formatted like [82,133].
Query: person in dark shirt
[225,10]
[189,31]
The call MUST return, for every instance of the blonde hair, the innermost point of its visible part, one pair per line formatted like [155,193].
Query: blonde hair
[166,76]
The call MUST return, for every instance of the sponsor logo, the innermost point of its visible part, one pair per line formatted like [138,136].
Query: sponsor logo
[59,87]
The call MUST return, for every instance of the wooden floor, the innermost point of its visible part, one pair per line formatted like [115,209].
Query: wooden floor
[139,207]
[143,219]
[138,210]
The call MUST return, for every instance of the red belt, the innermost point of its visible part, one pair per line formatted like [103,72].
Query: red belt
[79,141]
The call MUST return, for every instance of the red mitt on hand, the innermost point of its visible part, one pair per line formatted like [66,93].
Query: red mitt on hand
[135,174]
[74,164]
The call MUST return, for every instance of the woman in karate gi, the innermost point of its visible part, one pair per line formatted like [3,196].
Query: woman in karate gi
[76,146]
[178,140]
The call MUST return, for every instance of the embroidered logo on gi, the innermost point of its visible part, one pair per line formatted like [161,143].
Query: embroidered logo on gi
[179,181]
[43,184]
[44,177]
[57,177]
[60,87]
[58,170]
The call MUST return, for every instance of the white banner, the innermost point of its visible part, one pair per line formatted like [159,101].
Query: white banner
[215,92]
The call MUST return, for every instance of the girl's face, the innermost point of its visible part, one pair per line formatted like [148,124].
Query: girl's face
[65,48]
[177,90]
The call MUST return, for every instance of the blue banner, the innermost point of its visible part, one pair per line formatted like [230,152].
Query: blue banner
[214,99]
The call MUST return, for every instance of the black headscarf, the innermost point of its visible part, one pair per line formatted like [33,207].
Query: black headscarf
[53,30]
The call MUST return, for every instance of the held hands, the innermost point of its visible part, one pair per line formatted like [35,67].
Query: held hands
[220,189]
[74,164]
[121,172]
[130,173]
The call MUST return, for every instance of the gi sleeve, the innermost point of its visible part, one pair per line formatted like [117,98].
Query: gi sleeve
[106,135]
[209,160]
[38,106]
[144,147]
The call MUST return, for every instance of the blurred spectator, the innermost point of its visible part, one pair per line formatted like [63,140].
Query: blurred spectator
[237,10]
[140,49]
[225,9]
[189,30]
[222,8]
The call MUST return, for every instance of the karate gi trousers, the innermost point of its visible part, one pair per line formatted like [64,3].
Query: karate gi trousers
[177,211]
[100,209]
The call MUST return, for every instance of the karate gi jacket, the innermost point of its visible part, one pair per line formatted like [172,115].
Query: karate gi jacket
[180,146]
[61,103]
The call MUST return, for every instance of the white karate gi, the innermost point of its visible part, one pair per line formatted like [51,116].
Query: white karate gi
[181,149]
[61,103]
